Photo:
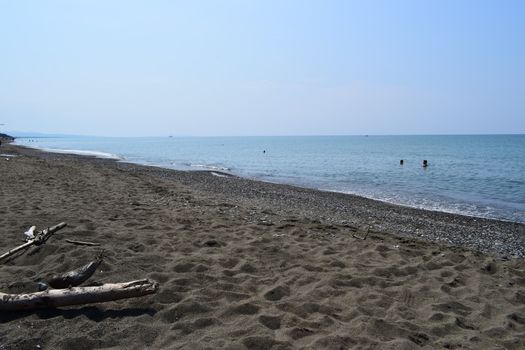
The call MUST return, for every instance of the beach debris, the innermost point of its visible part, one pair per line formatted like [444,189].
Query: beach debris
[75,277]
[363,232]
[63,290]
[82,243]
[53,298]
[30,234]
[39,238]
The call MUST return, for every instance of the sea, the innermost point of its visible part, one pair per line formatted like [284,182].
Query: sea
[476,175]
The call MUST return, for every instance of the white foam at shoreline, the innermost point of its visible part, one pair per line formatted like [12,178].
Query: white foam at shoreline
[218,174]
[449,208]
[95,154]
[83,153]
[209,167]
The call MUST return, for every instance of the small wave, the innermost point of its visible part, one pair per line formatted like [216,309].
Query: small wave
[218,174]
[210,167]
[95,154]
[83,153]
[468,209]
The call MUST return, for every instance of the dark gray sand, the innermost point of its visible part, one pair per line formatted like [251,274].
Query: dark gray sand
[250,265]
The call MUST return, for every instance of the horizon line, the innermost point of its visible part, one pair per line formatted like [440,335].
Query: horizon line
[35,134]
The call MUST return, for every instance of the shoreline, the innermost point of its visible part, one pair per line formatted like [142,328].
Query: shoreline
[500,237]
[227,172]
[249,265]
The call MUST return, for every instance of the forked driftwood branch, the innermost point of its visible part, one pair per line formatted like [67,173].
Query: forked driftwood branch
[82,243]
[40,238]
[77,295]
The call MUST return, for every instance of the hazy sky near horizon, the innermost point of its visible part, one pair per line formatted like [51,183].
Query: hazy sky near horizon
[236,67]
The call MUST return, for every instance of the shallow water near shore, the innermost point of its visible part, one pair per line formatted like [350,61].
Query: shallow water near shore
[478,175]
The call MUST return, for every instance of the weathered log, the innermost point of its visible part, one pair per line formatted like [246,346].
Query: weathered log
[75,277]
[82,243]
[53,298]
[40,238]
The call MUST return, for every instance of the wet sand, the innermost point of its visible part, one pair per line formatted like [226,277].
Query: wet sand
[251,265]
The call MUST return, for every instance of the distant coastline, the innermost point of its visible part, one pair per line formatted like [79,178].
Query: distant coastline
[6,138]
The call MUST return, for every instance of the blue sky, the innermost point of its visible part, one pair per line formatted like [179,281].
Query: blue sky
[146,68]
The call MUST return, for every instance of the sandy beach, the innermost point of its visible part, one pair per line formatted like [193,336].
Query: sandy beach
[244,264]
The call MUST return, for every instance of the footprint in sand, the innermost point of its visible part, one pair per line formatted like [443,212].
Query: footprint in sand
[271,322]
[243,309]
[277,293]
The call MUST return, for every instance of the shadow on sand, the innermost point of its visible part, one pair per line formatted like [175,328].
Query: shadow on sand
[91,312]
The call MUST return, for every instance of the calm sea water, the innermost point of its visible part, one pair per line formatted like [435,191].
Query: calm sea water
[475,175]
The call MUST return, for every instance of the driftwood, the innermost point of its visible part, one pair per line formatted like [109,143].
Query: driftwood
[82,243]
[40,238]
[75,277]
[77,295]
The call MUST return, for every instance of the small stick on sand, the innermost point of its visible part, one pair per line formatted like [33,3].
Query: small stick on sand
[40,238]
[82,243]
[77,295]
